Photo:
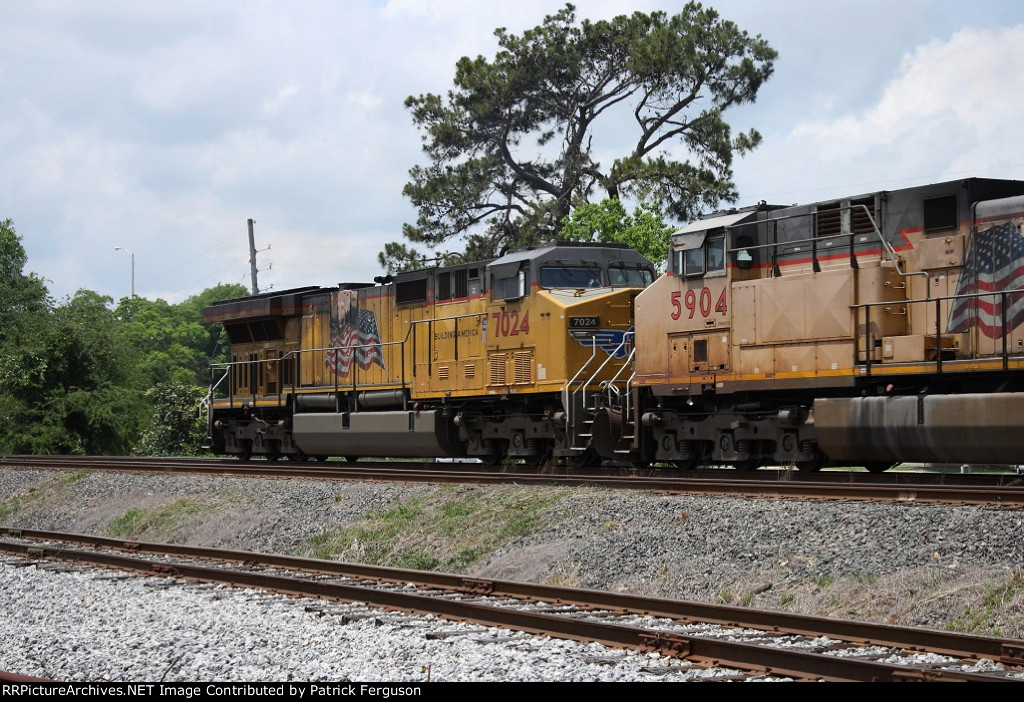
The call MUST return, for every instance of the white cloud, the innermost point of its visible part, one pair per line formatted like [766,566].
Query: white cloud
[163,127]
[365,100]
[950,110]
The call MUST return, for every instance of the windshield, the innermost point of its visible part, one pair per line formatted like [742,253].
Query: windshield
[570,277]
[630,277]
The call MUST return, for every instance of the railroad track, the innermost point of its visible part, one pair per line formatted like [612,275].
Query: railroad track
[728,642]
[1000,489]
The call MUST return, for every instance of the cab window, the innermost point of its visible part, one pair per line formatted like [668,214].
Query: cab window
[620,277]
[705,259]
[716,254]
[570,277]
[510,288]
[689,262]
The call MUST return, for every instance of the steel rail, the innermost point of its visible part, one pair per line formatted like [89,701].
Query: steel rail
[1002,490]
[691,647]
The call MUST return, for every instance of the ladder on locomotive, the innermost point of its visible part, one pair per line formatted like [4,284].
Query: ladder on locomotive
[582,401]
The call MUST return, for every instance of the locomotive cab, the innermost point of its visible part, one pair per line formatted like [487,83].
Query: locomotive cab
[558,336]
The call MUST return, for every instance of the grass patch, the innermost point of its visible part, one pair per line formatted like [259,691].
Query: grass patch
[73,477]
[999,595]
[155,521]
[449,530]
[416,559]
[981,620]
[39,495]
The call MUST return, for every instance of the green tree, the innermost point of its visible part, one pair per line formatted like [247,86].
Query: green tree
[24,315]
[21,294]
[510,148]
[74,377]
[176,352]
[175,345]
[607,221]
[70,385]
[216,347]
[176,427]
[170,341]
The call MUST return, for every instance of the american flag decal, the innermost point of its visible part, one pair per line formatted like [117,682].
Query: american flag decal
[994,263]
[355,336]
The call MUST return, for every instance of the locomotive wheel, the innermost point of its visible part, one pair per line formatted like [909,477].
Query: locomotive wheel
[272,456]
[879,466]
[540,459]
[350,459]
[244,455]
[297,457]
[497,453]
[688,463]
[811,466]
[588,459]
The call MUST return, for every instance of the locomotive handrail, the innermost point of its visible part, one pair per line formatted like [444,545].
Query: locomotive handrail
[593,377]
[626,407]
[570,419]
[610,383]
[583,385]
[204,404]
[297,354]
[401,381]
[1003,294]
[893,256]
[430,336]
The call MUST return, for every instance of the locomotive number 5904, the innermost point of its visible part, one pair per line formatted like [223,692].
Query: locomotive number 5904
[690,301]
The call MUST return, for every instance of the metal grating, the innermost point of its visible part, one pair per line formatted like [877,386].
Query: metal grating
[523,364]
[498,370]
[860,222]
[828,220]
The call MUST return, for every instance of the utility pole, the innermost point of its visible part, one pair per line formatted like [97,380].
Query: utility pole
[132,254]
[252,260]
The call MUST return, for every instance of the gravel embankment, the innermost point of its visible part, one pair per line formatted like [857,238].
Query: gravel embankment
[910,564]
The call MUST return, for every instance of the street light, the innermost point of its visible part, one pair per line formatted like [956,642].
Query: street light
[132,255]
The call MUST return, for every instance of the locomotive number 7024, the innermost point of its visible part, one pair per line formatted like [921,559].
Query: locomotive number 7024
[690,301]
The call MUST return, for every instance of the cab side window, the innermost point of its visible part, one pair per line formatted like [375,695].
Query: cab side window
[704,259]
[716,254]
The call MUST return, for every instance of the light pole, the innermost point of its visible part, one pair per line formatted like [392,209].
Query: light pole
[132,255]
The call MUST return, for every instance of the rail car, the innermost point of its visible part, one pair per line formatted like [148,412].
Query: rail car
[868,330]
[494,359]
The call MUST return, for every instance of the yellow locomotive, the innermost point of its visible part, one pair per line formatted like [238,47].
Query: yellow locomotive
[882,328]
[492,359]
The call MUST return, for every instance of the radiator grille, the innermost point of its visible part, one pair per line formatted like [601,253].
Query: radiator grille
[498,370]
[523,362]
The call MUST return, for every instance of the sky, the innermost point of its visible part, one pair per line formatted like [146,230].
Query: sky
[161,128]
